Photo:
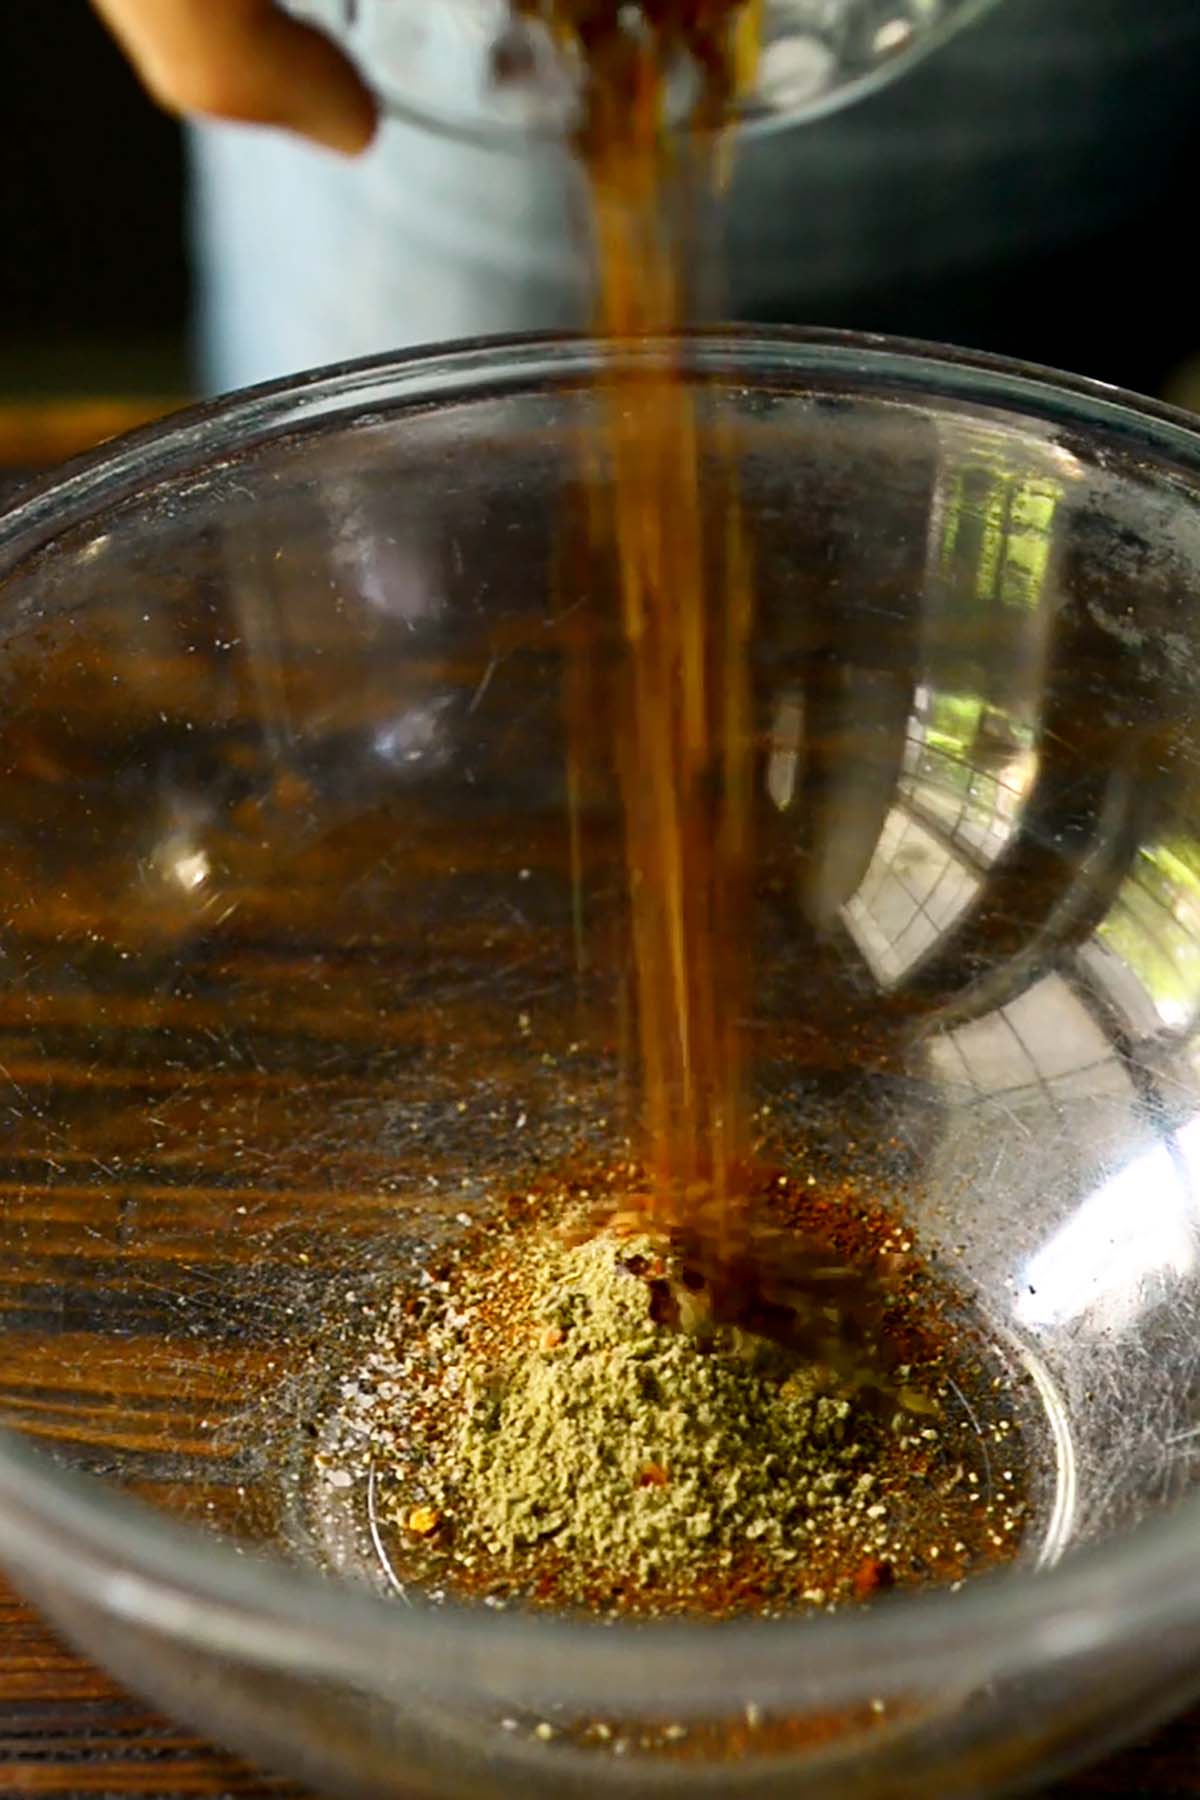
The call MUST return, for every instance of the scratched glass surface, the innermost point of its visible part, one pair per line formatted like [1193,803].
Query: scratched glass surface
[289,974]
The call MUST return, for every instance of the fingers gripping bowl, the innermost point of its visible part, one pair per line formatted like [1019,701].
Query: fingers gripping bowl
[289,995]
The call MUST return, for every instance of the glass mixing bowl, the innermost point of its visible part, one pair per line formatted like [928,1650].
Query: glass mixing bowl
[288,991]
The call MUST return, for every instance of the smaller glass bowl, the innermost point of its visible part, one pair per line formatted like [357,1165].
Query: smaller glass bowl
[467,68]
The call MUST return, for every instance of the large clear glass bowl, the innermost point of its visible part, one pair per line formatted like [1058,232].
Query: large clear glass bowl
[288,984]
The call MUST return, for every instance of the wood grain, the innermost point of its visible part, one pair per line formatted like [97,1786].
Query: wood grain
[39,435]
[67,1730]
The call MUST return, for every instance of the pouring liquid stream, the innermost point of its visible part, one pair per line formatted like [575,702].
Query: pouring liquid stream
[674,714]
[662,506]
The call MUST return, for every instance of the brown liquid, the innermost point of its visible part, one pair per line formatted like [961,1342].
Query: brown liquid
[662,503]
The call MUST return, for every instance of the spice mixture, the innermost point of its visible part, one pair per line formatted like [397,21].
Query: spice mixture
[563,1417]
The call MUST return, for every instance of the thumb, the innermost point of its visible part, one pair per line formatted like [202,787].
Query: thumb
[245,59]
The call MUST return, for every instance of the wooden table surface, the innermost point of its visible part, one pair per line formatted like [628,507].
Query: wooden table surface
[65,1728]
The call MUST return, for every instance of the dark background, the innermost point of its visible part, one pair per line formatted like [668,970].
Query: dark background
[93,278]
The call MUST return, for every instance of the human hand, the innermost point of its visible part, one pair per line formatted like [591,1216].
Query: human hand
[244,59]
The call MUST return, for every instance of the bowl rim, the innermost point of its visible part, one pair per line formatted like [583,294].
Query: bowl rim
[64,1532]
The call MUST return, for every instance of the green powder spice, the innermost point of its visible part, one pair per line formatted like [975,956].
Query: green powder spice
[631,1433]
[554,1411]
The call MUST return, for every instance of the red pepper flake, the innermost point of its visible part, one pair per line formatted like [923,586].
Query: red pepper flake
[653,1475]
[872,1575]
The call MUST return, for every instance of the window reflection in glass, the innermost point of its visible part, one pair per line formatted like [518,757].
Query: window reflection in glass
[967,772]
[1153,929]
